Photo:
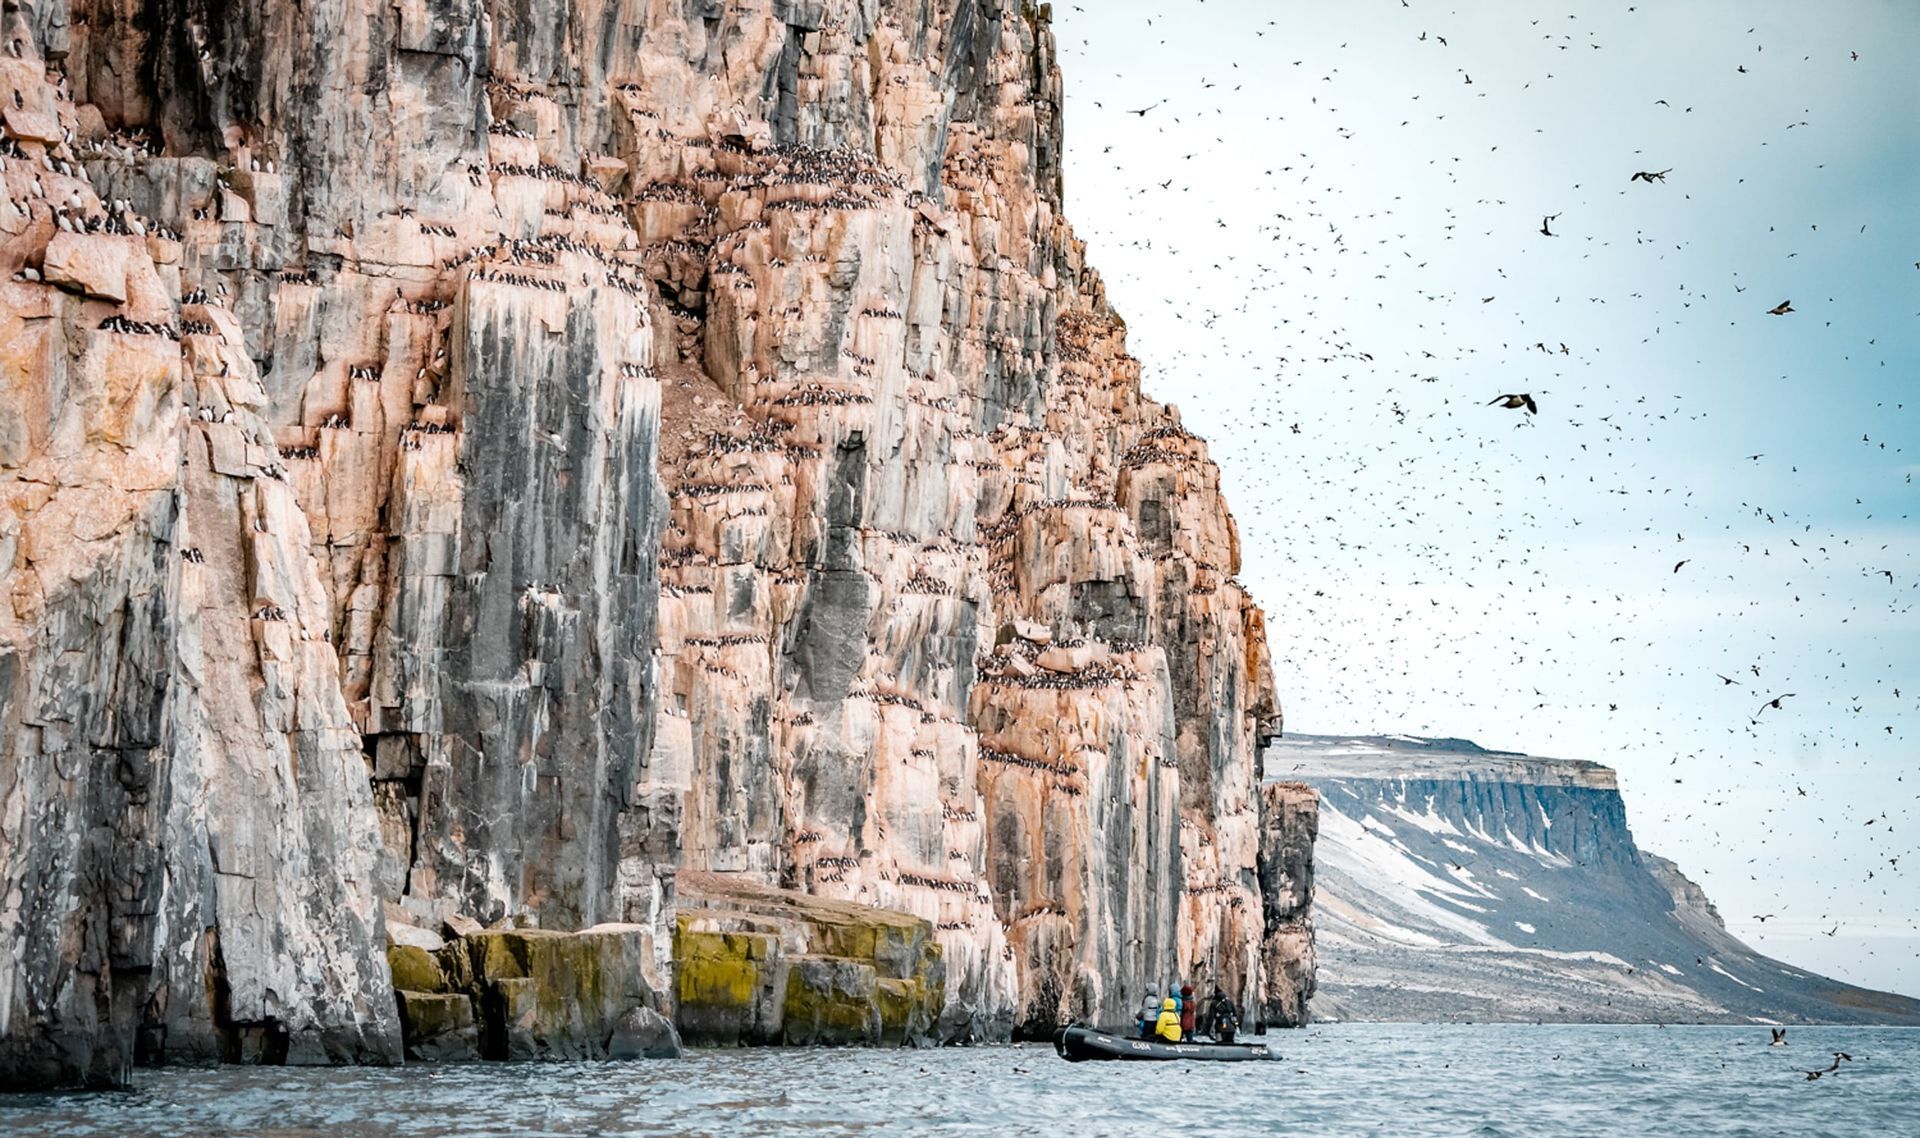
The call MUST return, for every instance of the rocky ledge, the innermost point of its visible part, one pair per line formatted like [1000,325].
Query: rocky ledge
[531,994]
[489,458]
[756,965]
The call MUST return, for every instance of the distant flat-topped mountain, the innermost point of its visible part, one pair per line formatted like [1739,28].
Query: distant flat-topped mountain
[1458,883]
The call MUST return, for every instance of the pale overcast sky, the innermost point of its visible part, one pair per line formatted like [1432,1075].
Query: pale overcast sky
[1326,238]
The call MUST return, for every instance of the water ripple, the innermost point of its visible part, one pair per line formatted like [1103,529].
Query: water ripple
[1390,1080]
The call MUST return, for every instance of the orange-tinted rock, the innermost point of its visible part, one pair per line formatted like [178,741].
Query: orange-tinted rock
[96,267]
[489,471]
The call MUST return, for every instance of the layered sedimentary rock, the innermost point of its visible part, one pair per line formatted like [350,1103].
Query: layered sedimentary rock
[486,457]
[758,965]
[1455,883]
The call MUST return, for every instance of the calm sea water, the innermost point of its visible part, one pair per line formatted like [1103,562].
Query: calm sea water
[1398,1080]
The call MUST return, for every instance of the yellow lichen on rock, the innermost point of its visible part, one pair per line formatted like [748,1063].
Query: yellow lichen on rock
[761,965]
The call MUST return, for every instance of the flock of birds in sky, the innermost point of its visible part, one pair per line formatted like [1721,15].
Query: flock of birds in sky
[1435,560]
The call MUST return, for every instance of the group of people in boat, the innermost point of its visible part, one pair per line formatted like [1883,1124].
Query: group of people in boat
[1178,1017]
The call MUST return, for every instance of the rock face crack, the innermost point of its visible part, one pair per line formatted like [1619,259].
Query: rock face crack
[485,462]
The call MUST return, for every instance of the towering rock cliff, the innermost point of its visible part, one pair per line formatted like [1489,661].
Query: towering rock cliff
[486,457]
[1460,884]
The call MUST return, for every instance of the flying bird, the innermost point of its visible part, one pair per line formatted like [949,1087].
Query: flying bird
[1773,703]
[1142,112]
[1651,176]
[1547,221]
[1515,402]
[1779,1037]
[1678,564]
[1838,1058]
[1781,309]
[1726,680]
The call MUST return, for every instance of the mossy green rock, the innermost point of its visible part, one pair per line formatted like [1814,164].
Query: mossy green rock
[905,1014]
[725,985]
[721,969]
[438,1027]
[555,995]
[757,965]
[416,969]
[531,994]
[830,1000]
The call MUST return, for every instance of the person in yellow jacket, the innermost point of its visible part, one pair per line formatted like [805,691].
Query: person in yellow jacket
[1167,1027]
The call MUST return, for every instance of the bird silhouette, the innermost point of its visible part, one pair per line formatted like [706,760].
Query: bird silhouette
[1515,402]
[1781,309]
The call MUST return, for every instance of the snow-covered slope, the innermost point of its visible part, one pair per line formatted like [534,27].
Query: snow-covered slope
[1457,883]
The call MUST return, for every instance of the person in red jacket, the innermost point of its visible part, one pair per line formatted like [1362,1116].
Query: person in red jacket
[1188,1009]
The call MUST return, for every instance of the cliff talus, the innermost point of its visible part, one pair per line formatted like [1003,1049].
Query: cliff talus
[483,458]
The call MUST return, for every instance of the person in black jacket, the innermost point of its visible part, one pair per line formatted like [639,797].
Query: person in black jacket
[1225,1018]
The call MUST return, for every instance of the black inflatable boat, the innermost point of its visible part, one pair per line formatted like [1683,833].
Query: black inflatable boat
[1077,1044]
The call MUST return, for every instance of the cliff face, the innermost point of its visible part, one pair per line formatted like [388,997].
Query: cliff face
[1455,883]
[484,457]
[1290,823]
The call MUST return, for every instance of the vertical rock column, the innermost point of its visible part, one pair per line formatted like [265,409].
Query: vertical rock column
[274,949]
[394,512]
[90,461]
[1290,820]
[189,852]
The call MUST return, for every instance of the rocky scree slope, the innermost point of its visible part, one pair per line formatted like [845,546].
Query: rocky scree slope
[485,457]
[1459,884]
